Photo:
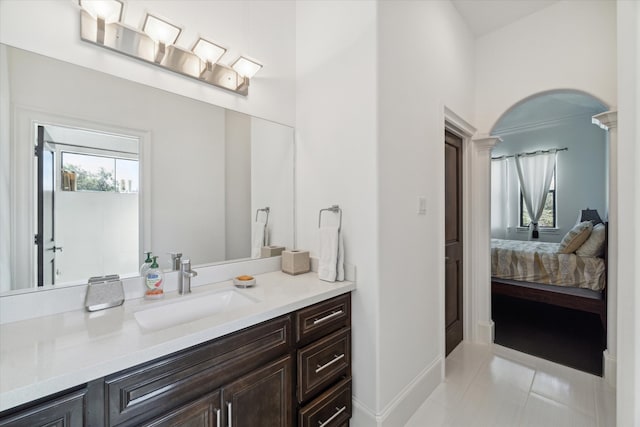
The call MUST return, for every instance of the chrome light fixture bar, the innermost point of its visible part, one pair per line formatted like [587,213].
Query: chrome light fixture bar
[155,44]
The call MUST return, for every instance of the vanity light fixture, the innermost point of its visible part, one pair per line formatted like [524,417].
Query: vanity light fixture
[207,51]
[100,24]
[162,32]
[246,67]
[104,12]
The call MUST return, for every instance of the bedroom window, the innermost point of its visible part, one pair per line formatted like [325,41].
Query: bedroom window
[548,218]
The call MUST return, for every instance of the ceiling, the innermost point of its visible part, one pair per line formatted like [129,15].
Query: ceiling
[548,108]
[485,16]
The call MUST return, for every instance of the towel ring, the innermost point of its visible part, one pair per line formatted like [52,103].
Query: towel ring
[333,208]
[266,211]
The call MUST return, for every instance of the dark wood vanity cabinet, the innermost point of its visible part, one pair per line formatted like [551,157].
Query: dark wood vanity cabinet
[292,370]
[67,410]
[323,335]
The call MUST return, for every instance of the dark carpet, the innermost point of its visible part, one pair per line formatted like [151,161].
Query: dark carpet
[569,337]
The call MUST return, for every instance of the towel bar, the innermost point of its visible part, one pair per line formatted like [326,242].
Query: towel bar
[335,209]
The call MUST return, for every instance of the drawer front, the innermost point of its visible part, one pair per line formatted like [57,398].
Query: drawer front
[323,318]
[65,411]
[204,412]
[331,409]
[322,363]
[151,389]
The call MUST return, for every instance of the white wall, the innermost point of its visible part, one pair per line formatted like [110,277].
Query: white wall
[272,179]
[336,96]
[238,185]
[98,232]
[426,62]
[628,379]
[264,30]
[569,45]
[5,175]
[580,171]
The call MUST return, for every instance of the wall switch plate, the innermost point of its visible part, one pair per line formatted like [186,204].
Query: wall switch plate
[422,205]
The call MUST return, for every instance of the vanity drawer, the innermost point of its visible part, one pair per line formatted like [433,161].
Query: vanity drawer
[322,363]
[323,318]
[67,410]
[151,389]
[330,409]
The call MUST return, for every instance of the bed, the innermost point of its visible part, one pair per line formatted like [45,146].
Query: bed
[535,271]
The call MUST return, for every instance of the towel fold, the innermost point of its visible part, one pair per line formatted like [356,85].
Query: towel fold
[258,238]
[331,254]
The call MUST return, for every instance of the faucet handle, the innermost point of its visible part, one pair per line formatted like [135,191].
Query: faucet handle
[185,268]
[175,260]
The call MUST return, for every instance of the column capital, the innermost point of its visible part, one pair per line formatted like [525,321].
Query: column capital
[607,120]
[486,142]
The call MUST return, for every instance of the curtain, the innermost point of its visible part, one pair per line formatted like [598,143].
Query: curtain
[500,198]
[535,173]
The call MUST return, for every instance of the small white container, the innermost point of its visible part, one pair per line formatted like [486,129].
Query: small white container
[244,281]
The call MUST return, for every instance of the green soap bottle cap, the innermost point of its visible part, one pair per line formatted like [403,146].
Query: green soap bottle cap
[155,262]
[148,257]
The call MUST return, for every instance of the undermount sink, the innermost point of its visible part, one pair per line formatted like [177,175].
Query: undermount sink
[192,308]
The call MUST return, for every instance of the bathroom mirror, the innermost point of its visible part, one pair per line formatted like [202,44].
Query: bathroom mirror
[206,173]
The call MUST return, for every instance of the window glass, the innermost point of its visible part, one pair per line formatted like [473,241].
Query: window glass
[87,172]
[548,218]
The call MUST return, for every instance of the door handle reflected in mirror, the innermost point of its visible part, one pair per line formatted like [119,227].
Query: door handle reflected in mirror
[55,249]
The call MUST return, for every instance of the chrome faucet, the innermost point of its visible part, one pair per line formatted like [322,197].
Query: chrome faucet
[176,258]
[184,278]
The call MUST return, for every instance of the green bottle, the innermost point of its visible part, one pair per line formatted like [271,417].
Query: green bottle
[146,265]
[153,281]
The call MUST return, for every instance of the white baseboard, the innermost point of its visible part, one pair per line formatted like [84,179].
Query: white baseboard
[485,332]
[361,416]
[405,404]
[609,368]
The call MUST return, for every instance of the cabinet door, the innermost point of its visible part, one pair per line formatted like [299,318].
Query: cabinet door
[204,412]
[262,398]
[65,411]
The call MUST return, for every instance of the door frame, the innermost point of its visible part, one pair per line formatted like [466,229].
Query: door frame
[455,124]
[23,227]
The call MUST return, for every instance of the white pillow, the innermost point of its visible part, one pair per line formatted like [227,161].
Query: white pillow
[575,237]
[594,245]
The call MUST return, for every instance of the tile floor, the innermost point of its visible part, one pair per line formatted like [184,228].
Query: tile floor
[497,386]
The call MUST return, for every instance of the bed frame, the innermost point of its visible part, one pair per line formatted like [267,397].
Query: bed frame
[562,296]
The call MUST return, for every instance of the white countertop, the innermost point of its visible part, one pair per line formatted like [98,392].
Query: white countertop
[48,354]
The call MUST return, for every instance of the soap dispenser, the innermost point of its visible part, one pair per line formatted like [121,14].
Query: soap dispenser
[146,265]
[153,281]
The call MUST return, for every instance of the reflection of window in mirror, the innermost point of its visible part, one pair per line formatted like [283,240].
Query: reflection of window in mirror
[89,215]
[98,173]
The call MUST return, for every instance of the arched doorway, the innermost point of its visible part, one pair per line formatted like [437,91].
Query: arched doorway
[545,302]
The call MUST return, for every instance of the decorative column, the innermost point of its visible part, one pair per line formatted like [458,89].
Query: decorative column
[482,324]
[609,122]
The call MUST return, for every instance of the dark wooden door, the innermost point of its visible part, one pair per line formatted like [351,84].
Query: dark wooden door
[262,398]
[45,239]
[453,241]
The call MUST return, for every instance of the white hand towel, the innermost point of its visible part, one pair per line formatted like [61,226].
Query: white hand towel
[257,238]
[331,254]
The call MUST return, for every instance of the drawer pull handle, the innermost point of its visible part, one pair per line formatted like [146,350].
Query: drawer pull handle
[229,414]
[330,316]
[333,417]
[218,418]
[326,365]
